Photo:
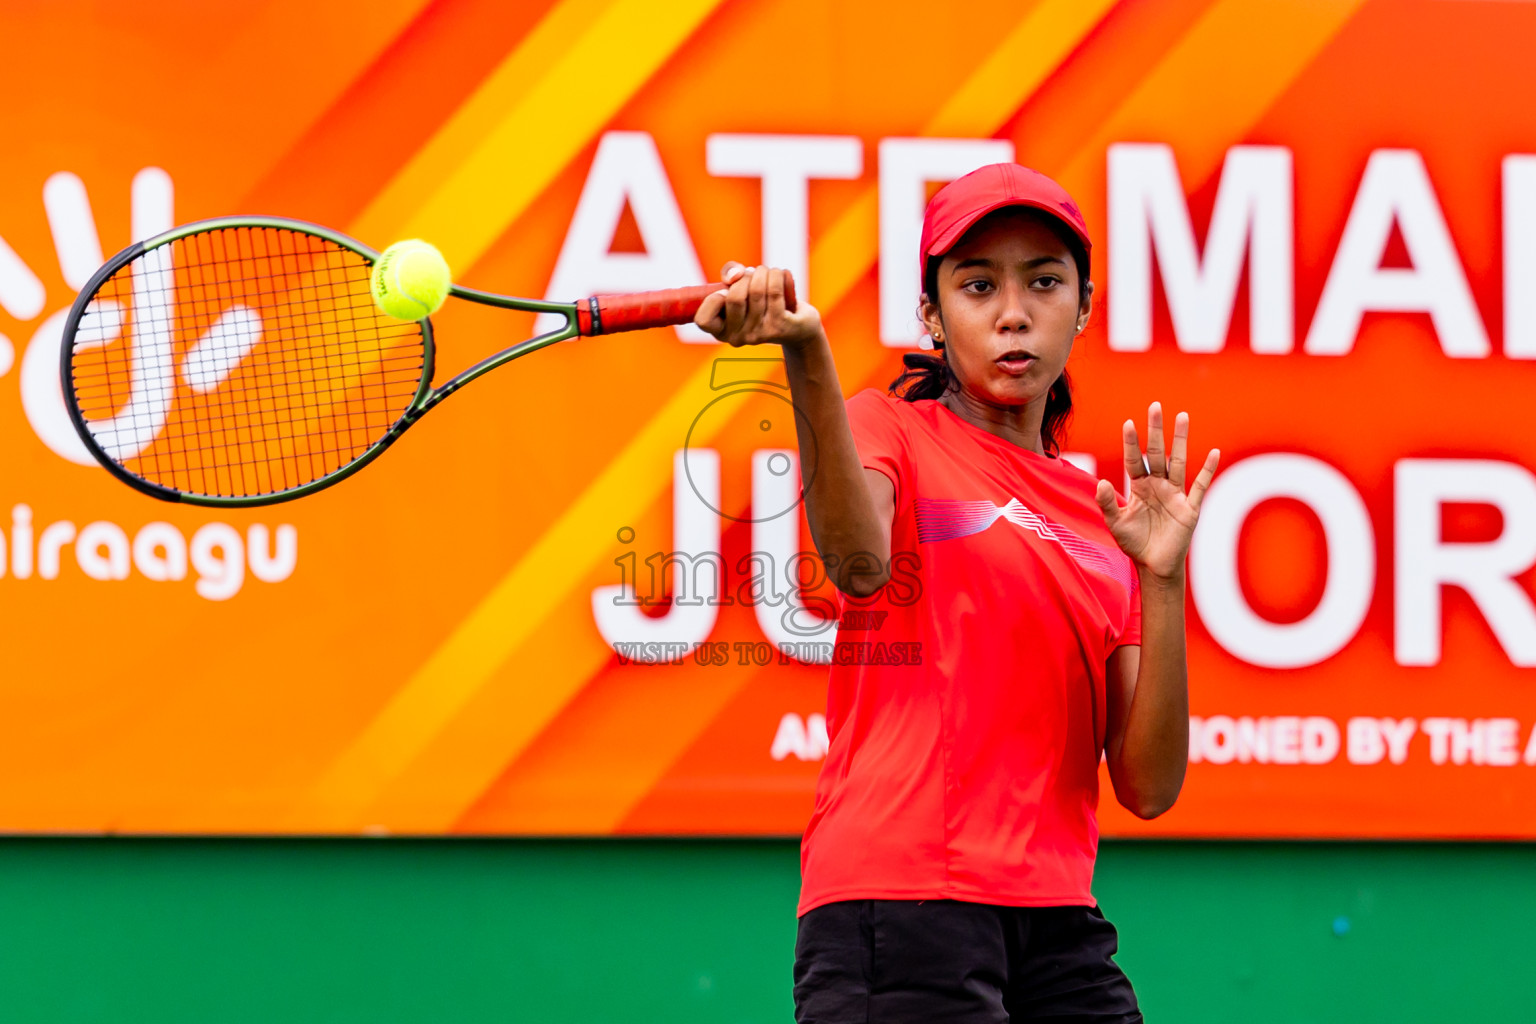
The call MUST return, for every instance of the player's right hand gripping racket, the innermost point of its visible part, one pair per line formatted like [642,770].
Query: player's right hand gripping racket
[242,361]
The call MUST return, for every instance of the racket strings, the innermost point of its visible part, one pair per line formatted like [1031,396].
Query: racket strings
[245,361]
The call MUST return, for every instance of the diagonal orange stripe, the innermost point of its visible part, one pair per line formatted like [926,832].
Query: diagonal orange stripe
[526,124]
[1231,67]
[1200,63]
[463,767]
[998,88]
[1110,65]
[349,153]
[606,748]
[446,178]
[480,174]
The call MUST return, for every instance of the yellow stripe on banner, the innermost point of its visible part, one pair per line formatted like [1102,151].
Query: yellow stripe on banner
[994,92]
[1231,66]
[502,149]
[582,63]
[457,139]
[456,766]
[508,617]
[1202,64]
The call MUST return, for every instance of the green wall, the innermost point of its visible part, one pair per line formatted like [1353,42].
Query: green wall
[234,931]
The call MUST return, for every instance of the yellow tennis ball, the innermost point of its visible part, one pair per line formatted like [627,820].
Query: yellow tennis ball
[410,280]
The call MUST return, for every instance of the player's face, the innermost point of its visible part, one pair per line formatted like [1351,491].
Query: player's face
[1008,308]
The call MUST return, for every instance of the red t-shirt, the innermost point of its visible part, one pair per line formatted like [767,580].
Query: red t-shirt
[972,774]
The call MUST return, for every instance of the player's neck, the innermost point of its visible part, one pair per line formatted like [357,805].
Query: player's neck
[1019,424]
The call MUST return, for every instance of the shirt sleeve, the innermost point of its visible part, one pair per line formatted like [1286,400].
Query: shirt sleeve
[881,438]
[1130,636]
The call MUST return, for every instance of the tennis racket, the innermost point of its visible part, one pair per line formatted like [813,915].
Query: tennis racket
[241,361]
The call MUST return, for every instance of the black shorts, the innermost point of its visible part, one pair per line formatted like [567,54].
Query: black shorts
[899,961]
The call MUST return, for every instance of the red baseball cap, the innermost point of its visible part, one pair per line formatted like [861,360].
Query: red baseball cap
[956,207]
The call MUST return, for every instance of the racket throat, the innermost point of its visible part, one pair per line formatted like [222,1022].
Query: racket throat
[589,317]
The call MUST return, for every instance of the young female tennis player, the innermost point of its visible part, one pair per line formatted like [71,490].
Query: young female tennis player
[948,861]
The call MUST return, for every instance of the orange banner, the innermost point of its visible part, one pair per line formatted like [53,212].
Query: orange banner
[574,599]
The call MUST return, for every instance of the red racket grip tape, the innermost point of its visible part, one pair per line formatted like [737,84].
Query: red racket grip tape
[610,314]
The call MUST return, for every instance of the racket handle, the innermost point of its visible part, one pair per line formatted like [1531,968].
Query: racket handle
[610,314]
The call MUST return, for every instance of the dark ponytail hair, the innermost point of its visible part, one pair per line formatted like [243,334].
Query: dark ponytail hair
[928,376]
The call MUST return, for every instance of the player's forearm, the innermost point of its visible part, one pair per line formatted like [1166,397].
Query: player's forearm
[852,541]
[1154,752]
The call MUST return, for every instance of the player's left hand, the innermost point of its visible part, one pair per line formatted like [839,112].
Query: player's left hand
[1155,524]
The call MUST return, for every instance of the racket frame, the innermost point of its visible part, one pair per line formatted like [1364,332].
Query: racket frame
[425,399]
